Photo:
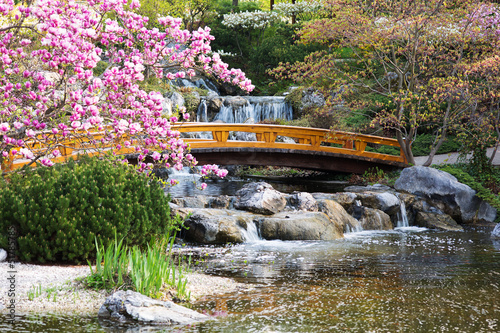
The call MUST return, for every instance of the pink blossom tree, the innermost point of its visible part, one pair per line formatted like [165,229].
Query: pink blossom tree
[49,93]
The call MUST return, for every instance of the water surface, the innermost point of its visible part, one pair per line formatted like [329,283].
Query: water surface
[407,280]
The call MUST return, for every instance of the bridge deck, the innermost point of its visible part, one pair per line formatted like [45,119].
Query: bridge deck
[305,147]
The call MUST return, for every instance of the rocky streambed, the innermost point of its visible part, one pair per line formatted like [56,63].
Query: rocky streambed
[423,197]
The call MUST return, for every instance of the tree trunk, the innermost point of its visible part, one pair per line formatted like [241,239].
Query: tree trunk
[272,4]
[434,149]
[444,128]
[405,143]
[235,3]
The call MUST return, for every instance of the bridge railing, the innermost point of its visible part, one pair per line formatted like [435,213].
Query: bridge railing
[304,138]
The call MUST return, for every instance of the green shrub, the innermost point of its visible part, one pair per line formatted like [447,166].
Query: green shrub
[58,211]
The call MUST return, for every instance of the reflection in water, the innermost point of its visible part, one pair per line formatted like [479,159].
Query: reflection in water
[407,280]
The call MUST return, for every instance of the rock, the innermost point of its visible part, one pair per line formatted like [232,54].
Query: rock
[346,199]
[458,200]
[207,85]
[214,104]
[3,255]
[374,219]
[129,305]
[437,221]
[220,202]
[303,201]
[235,101]
[495,234]
[260,198]
[214,226]
[176,98]
[385,201]
[199,201]
[299,226]
[312,98]
[339,216]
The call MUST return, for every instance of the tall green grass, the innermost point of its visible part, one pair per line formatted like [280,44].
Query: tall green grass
[148,272]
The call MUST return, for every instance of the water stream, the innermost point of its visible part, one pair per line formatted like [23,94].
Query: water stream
[410,280]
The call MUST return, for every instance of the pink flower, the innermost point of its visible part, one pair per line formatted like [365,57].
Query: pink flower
[4,128]
[203,186]
[156,156]
[46,162]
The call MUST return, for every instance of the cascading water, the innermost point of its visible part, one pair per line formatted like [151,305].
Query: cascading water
[256,108]
[250,234]
[201,114]
[402,215]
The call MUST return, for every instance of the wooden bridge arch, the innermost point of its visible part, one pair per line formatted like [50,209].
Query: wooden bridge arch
[309,148]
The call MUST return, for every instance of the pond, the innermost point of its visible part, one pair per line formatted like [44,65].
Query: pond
[406,280]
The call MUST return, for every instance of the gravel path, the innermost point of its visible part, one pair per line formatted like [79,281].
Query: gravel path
[57,289]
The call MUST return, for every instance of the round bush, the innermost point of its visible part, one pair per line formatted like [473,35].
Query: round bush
[58,212]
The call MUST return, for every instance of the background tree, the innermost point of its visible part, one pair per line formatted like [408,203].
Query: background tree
[411,57]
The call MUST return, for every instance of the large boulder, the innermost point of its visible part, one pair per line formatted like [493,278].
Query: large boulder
[384,201]
[303,201]
[299,226]
[458,200]
[339,216]
[496,232]
[214,226]
[346,199]
[260,198]
[437,221]
[123,306]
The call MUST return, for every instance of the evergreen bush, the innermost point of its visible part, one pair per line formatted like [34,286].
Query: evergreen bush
[58,212]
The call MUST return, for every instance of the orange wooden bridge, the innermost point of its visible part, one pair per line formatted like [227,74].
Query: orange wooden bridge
[308,148]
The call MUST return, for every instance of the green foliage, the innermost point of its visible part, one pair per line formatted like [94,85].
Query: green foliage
[374,176]
[152,83]
[382,149]
[480,184]
[57,212]
[422,145]
[112,272]
[147,272]
[100,68]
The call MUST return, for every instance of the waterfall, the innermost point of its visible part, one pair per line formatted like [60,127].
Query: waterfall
[356,226]
[201,114]
[250,234]
[257,108]
[402,215]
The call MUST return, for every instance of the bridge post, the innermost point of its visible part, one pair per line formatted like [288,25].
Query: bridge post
[220,136]
[360,145]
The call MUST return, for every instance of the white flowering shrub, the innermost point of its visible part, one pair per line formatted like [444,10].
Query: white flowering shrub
[294,9]
[250,20]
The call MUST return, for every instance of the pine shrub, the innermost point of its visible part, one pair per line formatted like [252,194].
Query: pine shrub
[58,212]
